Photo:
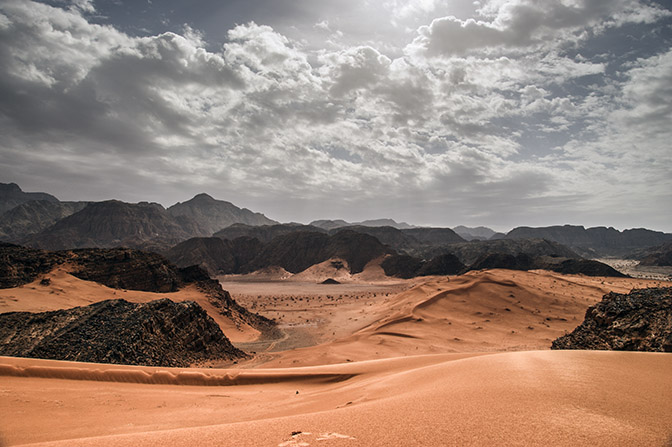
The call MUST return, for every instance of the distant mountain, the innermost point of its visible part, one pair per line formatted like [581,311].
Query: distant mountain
[264,233]
[330,224]
[116,224]
[660,256]
[34,216]
[217,256]
[12,196]
[434,236]
[297,251]
[214,215]
[594,242]
[469,252]
[339,223]
[477,233]
[390,236]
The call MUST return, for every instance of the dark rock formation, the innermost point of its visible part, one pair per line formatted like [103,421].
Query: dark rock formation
[34,216]
[470,252]
[659,256]
[330,281]
[471,234]
[217,256]
[434,236]
[593,242]
[21,265]
[12,196]
[211,253]
[390,236]
[638,321]
[115,224]
[566,266]
[264,233]
[159,333]
[401,266]
[329,225]
[521,261]
[214,215]
[297,251]
[123,268]
[441,265]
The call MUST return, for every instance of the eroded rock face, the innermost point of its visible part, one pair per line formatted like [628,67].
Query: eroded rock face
[21,265]
[158,333]
[638,321]
[123,268]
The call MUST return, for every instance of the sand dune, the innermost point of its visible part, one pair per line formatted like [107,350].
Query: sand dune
[482,311]
[420,362]
[516,398]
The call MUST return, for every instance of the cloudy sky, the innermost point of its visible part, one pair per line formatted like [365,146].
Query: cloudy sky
[434,112]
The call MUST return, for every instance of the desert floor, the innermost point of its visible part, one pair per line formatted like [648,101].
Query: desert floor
[370,362]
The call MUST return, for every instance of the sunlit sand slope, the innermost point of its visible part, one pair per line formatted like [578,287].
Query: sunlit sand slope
[559,398]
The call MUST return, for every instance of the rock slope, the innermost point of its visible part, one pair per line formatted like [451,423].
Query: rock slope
[158,333]
[638,321]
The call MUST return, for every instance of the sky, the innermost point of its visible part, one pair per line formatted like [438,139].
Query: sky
[434,112]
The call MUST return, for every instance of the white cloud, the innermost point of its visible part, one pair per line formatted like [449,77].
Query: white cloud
[456,122]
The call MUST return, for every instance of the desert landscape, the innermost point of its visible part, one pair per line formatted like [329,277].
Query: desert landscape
[372,360]
[296,223]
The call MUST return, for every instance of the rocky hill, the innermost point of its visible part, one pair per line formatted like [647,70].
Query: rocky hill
[328,225]
[474,233]
[469,252]
[297,251]
[32,217]
[594,242]
[660,256]
[116,224]
[124,269]
[12,196]
[21,265]
[405,266]
[159,333]
[264,233]
[638,321]
[214,215]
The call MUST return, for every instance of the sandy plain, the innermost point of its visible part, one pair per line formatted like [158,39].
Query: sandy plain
[370,362]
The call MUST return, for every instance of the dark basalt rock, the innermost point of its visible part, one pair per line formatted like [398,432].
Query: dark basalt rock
[401,266]
[21,265]
[123,268]
[159,333]
[638,321]
[441,265]
[330,281]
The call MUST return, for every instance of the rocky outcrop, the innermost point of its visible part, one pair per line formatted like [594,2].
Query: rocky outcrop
[638,321]
[159,333]
[594,242]
[474,233]
[264,233]
[470,252]
[124,268]
[21,265]
[659,256]
[214,215]
[217,256]
[12,196]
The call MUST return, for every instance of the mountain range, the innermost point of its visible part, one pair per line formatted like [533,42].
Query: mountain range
[224,238]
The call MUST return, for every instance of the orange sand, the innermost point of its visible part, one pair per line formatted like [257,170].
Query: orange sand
[425,368]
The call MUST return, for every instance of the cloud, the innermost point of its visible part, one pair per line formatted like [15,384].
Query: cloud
[528,25]
[471,123]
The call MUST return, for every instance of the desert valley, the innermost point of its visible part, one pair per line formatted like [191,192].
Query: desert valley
[206,324]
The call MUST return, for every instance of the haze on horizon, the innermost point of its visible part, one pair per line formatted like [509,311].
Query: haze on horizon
[434,112]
